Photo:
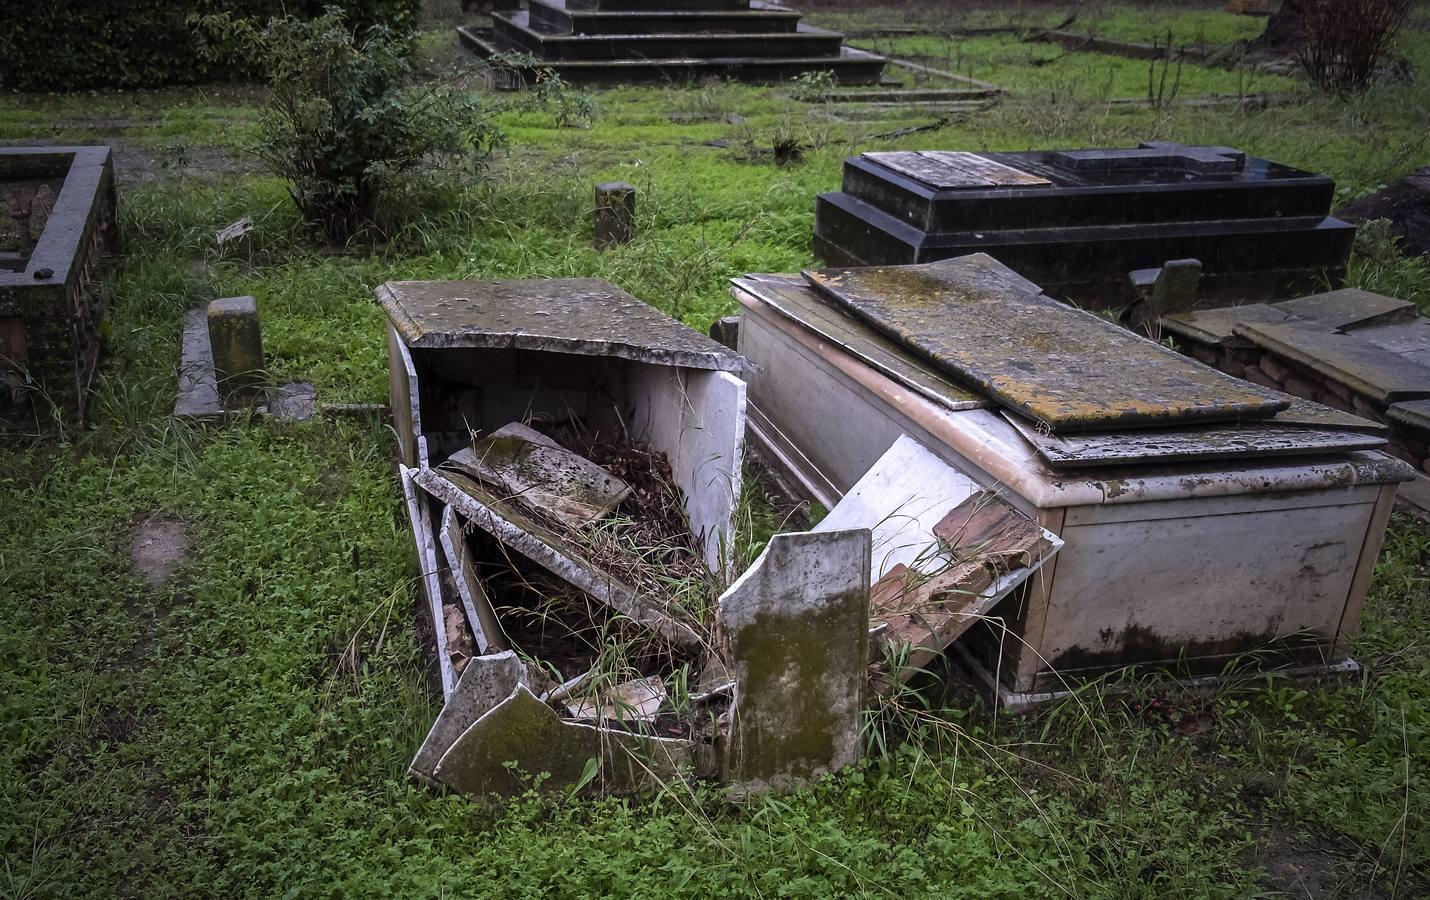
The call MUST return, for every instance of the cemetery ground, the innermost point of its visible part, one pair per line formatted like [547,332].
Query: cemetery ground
[212,681]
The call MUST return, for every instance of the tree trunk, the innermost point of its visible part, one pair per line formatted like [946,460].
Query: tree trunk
[1283,29]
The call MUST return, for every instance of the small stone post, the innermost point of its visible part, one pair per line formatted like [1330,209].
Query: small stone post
[237,346]
[1166,291]
[615,214]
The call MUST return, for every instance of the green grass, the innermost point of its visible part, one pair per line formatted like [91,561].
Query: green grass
[204,737]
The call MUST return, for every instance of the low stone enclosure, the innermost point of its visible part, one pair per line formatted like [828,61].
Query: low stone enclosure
[623,41]
[1031,490]
[1359,352]
[1077,221]
[57,219]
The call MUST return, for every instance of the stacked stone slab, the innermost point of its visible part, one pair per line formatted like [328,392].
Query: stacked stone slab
[616,41]
[1077,222]
[1360,352]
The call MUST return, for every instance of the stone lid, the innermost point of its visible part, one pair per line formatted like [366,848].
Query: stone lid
[1415,413]
[1348,308]
[1365,368]
[1057,365]
[1217,326]
[584,316]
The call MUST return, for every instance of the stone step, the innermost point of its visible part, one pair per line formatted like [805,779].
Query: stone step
[561,17]
[1364,367]
[657,5]
[513,31]
[849,66]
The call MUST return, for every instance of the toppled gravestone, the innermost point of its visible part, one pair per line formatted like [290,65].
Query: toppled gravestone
[797,627]
[522,739]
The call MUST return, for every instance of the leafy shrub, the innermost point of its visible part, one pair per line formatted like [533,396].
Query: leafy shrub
[346,118]
[814,86]
[1379,265]
[1343,42]
[81,44]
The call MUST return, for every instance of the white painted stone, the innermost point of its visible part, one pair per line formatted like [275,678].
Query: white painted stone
[697,419]
[429,574]
[481,616]
[797,628]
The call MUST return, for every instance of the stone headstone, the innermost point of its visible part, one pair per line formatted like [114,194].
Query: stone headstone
[615,214]
[797,626]
[237,344]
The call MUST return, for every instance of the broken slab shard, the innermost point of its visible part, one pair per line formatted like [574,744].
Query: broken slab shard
[481,616]
[428,573]
[923,614]
[1054,364]
[510,748]
[630,701]
[487,681]
[198,385]
[551,551]
[585,316]
[797,627]
[900,499]
[985,529]
[531,468]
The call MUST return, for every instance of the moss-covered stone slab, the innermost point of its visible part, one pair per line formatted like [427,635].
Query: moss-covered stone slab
[485,682]
[540,474]
[1365,368]
[792,298]
[1348,308]
[1060,366]
[1415,413]
[585,316]
[522,743]
[797,628]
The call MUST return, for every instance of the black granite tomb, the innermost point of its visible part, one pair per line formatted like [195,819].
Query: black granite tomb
[615,41]
[1077,222]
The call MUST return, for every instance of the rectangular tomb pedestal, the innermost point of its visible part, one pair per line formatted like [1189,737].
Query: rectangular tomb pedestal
[1179,565]
[1077,222]
[57,219]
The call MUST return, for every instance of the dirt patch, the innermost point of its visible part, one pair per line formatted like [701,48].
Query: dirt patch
[160,544]
[1406,205]
[1301,866]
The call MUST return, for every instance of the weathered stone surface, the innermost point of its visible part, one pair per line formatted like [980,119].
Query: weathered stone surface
[1060,366]
[557,555]
[159,546]
[1366,368]
[523,731]
[924,613]
[1318,415]
[797,627]
[237,343]
[1347,309]
[198,387]
[524,465]
[1414,413]
[296,402]
[481,616]
[1410,340]
[486,682]
[1204,442]
[1173,290]
[615,214]
[797,301]
[586,316]
[945,169]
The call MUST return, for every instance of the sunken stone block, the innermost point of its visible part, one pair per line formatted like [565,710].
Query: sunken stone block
[615,214]
[797,623]
[237,344]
